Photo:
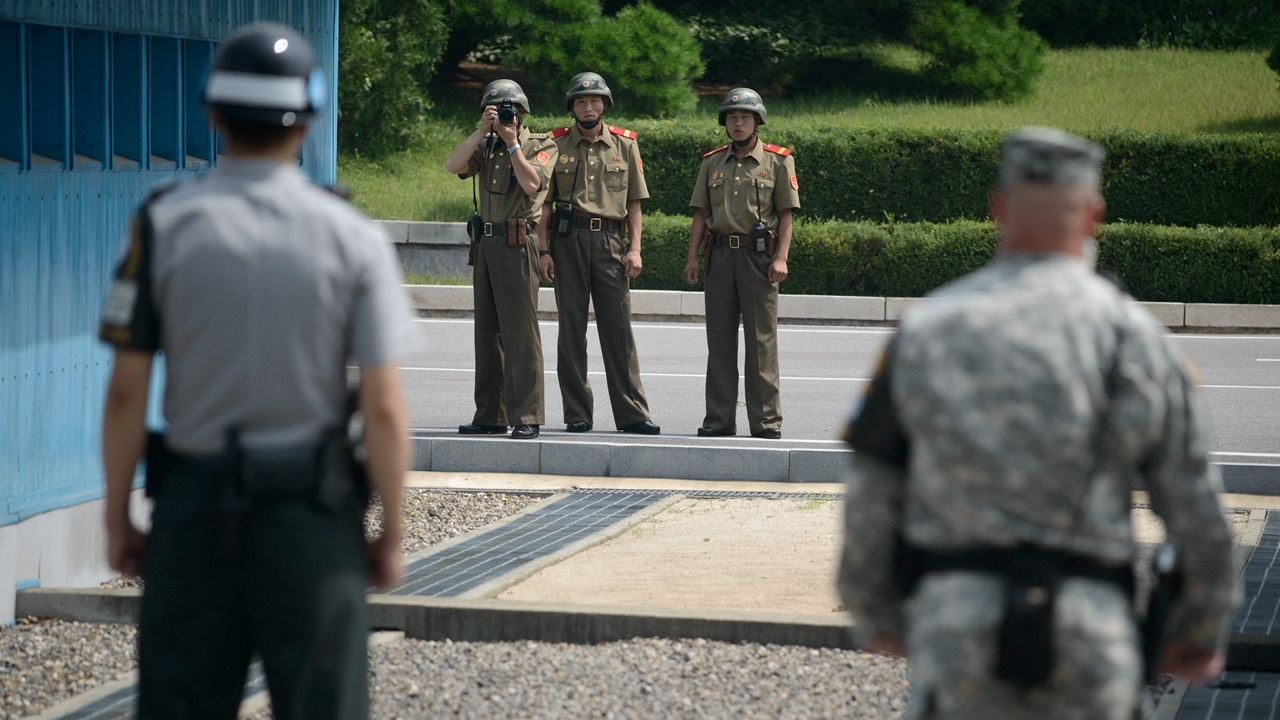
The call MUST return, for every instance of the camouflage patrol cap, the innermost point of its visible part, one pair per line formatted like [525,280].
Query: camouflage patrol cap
[744,99]
[1050,156]
[499,90]
[588,83]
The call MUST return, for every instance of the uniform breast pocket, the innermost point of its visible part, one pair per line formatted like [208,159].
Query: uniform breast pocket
[715,188]
[760,194]
[615,177]
[500,180]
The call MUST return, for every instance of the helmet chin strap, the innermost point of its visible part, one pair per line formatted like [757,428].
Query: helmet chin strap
[739,144]
[589,124]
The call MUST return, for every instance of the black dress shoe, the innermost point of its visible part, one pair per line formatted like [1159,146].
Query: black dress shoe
[524,432]
[644,427]
[578,426]
[474,429]
[768,434]
[707,431]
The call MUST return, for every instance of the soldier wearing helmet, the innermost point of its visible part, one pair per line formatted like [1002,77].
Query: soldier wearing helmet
[509,167]
[595,194]
[260,288]
[742,206]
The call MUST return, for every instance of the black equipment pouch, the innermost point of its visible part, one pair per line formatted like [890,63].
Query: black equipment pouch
[475,229]
[564,213]
[1025,652]
[760,238]
[158,462]
[1167,573]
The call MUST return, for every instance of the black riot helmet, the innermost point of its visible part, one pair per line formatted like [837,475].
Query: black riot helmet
[588,83]
[744,99]
[265,74]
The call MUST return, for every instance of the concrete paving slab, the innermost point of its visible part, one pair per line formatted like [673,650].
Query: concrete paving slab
[396,230]
[421,454]
[476,455]
[1233,316]
[564,458]
[827,307]
[1170,314]
[700,463]
[655,302]
[442,297]
[693,305]
[895,307]
[539,483]
[817,465]
[438,233]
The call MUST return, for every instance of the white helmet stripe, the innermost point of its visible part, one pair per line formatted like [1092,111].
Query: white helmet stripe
[265,91]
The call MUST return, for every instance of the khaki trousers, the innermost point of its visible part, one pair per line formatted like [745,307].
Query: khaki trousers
[509,384]
[737,289]
[589,267]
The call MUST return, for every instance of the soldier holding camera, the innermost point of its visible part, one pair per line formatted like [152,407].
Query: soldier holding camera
[595,193]
[509,167]
[743,201]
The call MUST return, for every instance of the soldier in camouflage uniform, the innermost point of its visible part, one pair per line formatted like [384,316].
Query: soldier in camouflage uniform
[978,436]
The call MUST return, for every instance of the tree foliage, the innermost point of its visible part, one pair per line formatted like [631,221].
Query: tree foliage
[389,52]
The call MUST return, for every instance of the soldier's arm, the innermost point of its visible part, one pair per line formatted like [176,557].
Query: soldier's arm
[124,436]
[464,161]
[874,500]
[778,267]
[386,438]
[696,231]
[1184,487]
[631,263]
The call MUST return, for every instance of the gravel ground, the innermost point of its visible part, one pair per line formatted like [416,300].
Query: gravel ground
[43,662]
[641,678]
[430,517]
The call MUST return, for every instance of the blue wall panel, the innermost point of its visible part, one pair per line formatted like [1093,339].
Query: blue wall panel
[63,228]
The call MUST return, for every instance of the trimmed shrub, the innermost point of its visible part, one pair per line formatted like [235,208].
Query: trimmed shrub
[388,55]
[938,175]
[745,54]
[648,59]
[1194,24]
[1157,263]
[984,56]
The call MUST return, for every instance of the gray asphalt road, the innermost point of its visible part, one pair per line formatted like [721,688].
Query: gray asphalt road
[823,369]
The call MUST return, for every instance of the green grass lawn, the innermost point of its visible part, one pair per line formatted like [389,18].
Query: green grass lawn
[1177,91]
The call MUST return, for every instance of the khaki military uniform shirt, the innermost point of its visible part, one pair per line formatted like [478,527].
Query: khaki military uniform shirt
[599,177]
[736,193]
[501,197]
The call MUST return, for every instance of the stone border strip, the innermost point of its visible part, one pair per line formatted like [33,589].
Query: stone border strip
[448,452]
[674,305]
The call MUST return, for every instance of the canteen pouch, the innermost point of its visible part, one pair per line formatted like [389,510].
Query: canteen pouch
[1025,652]
[707,242]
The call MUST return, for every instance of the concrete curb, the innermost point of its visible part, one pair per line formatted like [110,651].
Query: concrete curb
[677,461]
[672,305]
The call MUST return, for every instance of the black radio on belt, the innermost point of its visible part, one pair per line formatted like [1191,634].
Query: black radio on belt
[564,211]
[759,237]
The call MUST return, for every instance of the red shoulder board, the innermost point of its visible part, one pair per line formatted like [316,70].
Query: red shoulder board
[560,132]
[628,134]
[713,152]
[778,149]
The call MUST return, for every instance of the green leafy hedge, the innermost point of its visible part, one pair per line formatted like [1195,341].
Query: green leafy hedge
[942,175]
[1156,263]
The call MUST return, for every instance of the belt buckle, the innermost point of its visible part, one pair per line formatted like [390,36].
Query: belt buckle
[734,242]
[596,224]
[488,229]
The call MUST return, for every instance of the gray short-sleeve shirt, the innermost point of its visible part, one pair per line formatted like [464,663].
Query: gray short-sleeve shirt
[263,287]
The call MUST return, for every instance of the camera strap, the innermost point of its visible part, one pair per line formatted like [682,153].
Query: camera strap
[574,184]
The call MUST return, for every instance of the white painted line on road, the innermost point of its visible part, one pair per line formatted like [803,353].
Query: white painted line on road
[1268,359]
[1240,387]
[1245,454]
[643,374]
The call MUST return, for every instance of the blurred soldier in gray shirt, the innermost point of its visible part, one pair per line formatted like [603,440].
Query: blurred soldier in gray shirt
[995,453]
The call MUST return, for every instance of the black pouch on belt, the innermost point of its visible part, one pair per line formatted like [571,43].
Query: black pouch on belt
[564,215]
[475,229]
[1025,653]
[159,462]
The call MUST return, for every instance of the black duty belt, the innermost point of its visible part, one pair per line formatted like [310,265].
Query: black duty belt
[498,229]
[733,242]
[1023,560]
[597,224]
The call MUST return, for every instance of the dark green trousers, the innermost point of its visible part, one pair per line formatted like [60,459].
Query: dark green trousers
[288,586]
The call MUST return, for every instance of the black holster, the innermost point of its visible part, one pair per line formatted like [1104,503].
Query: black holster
[1032,578]
[1166,570]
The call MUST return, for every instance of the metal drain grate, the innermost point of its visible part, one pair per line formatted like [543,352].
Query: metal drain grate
[1258,614]
[721,494]
[123,703]
[466,566]
[1238,696]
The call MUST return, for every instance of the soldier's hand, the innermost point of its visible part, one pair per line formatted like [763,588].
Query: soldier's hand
[631,264]
[506,132]
[547,269]
[126,549]
[385,565]
[1191,663]
[691,272]
[777,270]
[886,645]
[488,119]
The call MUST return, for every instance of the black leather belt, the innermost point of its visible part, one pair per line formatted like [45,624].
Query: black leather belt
[494,229]
[735,242]
[597,224]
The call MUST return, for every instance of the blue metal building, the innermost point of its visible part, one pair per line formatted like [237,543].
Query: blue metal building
[99,101]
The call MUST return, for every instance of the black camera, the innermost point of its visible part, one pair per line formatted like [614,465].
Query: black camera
[760,237]
[506,113]
[564,211]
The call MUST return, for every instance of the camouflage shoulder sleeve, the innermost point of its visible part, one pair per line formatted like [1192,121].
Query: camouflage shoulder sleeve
[877,429]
